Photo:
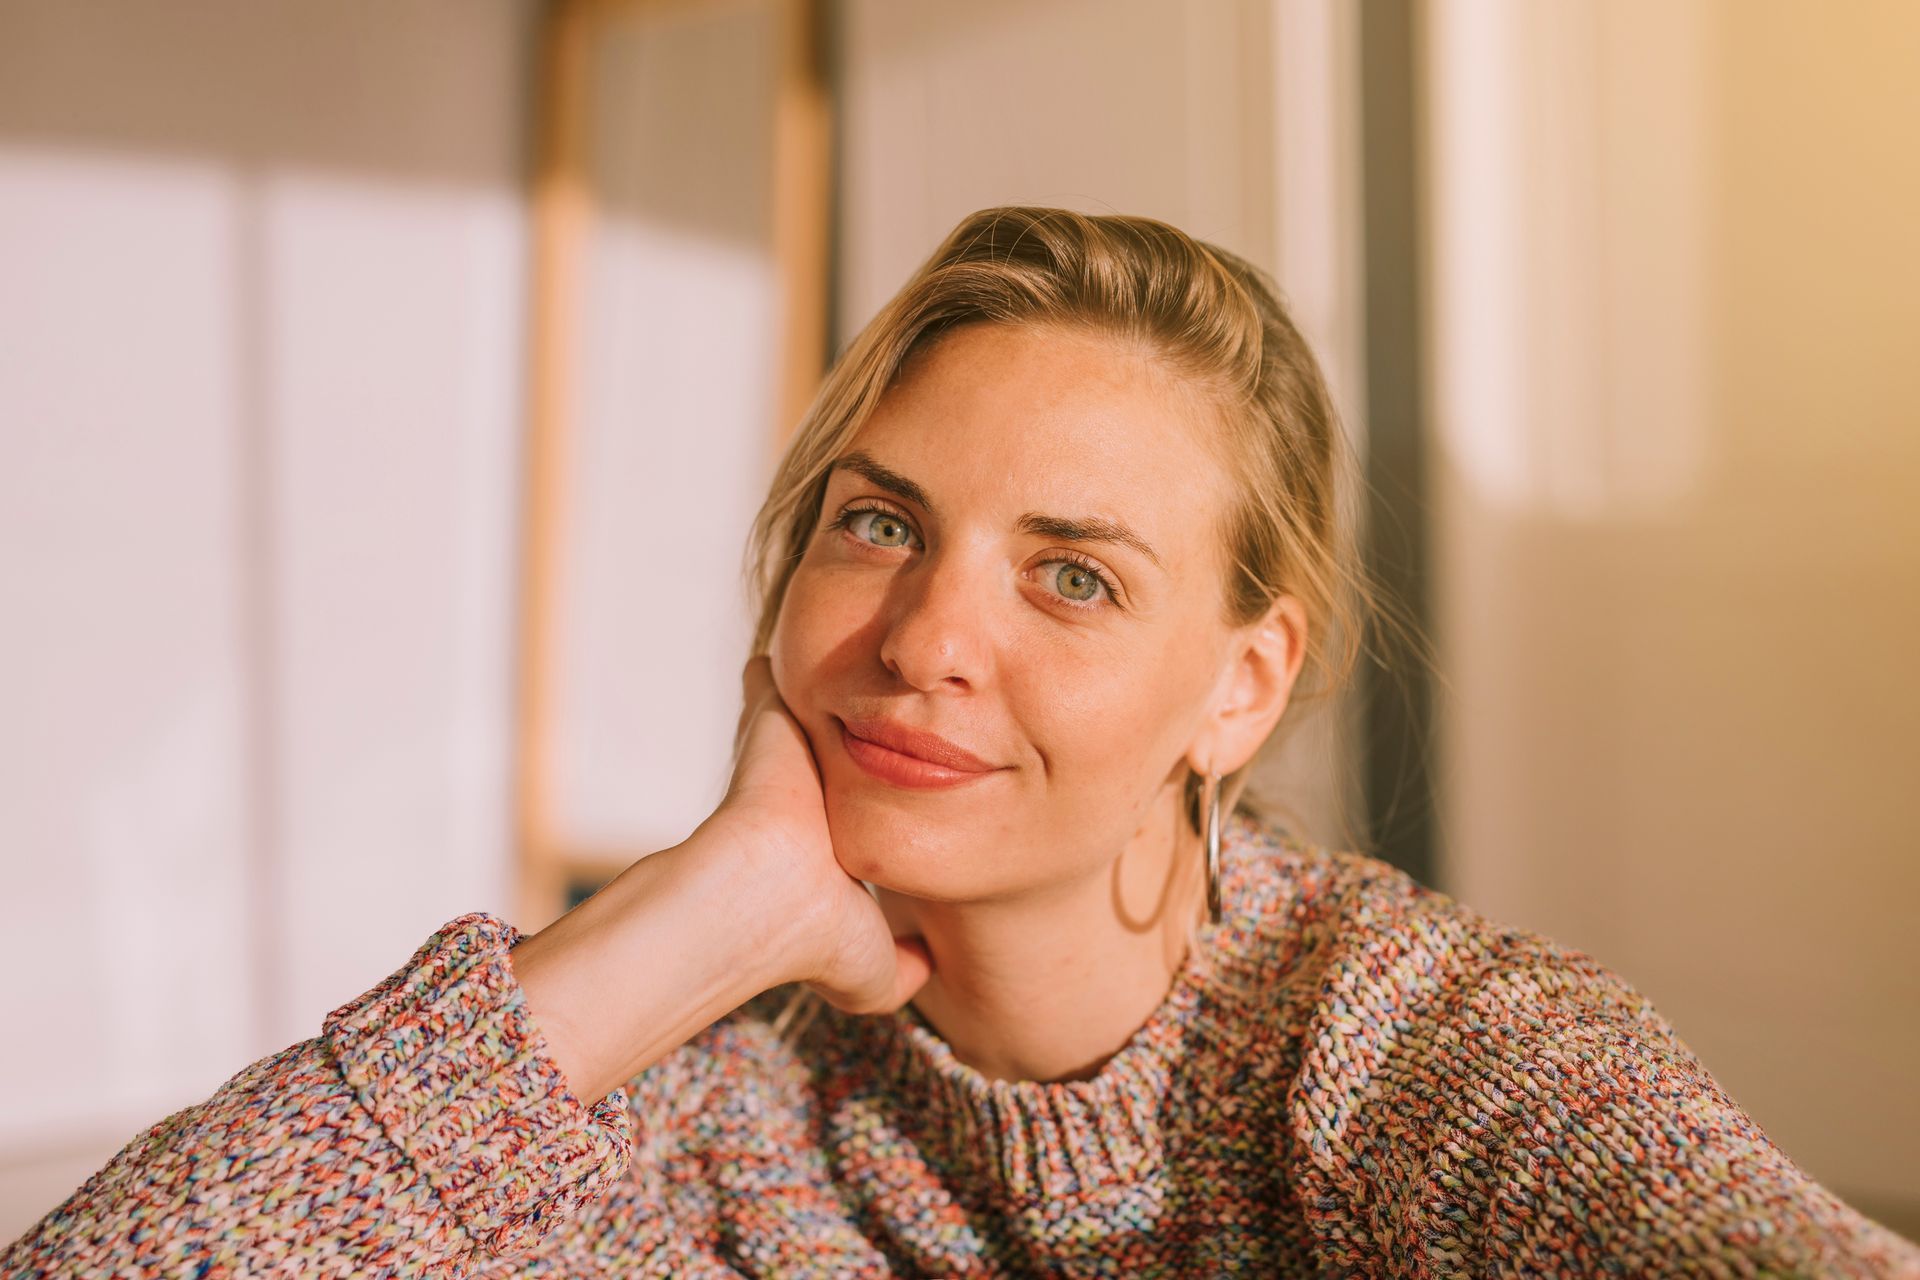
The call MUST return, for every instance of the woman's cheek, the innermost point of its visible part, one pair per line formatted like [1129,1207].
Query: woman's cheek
[787,646]
[803,635]
[1106,714]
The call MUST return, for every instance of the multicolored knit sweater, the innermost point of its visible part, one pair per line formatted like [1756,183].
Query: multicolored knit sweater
[1352,1076]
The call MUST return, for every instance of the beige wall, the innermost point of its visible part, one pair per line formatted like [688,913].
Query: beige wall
[1676,293]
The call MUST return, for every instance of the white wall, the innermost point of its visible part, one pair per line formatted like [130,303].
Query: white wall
[671,452]
[1675,288]
[260,299]
[263,279]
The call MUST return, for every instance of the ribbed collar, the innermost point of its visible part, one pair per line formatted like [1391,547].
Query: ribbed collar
[1035,1139]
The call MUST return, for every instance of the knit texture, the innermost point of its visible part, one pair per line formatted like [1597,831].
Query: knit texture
[1351,1076]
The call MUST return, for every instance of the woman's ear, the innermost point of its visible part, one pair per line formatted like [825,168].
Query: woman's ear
[1262,665]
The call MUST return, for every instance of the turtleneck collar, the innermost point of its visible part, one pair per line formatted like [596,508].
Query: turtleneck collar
[1047,1139]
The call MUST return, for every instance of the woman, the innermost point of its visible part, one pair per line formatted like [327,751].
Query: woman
[1041,572]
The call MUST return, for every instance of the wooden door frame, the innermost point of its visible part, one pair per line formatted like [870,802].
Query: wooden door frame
[562,202]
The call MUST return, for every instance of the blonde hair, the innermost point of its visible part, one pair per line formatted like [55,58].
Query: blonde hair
[1204,314]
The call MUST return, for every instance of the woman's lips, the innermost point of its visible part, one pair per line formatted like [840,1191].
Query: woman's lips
[903,761]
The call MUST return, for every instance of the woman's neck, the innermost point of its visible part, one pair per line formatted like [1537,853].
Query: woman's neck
[1049,986]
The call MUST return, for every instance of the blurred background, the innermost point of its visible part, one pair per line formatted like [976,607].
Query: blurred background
[385,390]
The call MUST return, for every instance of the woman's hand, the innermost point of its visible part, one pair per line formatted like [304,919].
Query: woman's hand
[754,898]
[775,812]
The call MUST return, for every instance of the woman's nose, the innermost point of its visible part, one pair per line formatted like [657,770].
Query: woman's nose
[937,633]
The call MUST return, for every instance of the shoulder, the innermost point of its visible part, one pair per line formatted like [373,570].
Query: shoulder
[1352,923]
[1467,1089]
[1379,986]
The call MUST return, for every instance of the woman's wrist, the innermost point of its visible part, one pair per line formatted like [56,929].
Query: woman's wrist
[676,941]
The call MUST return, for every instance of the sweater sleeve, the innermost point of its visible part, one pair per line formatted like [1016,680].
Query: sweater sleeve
[1483,1102]
[426,1130]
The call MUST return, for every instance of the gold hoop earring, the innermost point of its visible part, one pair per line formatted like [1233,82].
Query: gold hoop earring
[1212,805]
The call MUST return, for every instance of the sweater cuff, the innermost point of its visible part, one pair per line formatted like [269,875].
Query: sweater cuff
[446,1057]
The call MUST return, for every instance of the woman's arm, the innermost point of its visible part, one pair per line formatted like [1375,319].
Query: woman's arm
[438,1121]
[432,1125]
[424,1128]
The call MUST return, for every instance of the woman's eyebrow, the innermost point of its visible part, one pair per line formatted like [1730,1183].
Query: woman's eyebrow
[1084,529]
[887,478]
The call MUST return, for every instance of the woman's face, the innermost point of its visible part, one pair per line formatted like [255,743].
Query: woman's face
[1019,552]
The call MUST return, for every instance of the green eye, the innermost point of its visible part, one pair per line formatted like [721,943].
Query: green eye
[1076,582]
[880,528]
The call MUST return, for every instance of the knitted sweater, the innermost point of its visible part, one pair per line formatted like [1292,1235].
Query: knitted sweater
[1351,1076]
